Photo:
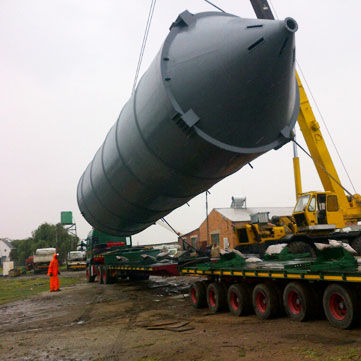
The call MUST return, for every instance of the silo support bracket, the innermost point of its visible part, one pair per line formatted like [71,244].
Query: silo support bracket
[190,118]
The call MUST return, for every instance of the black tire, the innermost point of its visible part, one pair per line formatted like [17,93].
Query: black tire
[138,277]
[356,245]
[198,293]
[100,274]
[216,297]
[265,300]
[88,275]
[299,247]
[239,298]
[107,276]
[341,306]
[299,301]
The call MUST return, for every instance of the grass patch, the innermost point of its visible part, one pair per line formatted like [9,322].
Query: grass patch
[342,353]
[14,289]
[144,345]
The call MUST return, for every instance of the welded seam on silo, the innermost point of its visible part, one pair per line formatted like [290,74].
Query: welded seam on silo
[209,139]
[90,214]
[87,214]
[100,201]
[99,225]
[135,205]
[178,109]
[153,189]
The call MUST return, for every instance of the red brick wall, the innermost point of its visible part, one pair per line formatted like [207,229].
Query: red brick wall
[218,224]
[188,238]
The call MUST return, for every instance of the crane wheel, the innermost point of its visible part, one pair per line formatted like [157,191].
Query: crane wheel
[198,293]
[356,245]
[341,305]
[239,297]
[265,301]
[216,297]
[301,247]
[298,301]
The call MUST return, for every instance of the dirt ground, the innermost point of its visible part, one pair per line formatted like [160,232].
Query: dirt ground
[119,322]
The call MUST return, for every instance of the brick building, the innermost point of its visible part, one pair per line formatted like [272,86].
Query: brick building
[191,238]
[224,223]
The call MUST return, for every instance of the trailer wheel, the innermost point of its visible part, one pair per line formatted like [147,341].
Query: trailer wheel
[100,274]
[216,297]
[239,299]
[198,293]
[341,306]
[138,277]
[265,301]
[107,276]
[88,274]
[298,301]
[103,275]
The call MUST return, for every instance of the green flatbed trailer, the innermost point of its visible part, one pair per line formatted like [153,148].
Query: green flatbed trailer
[110,258]
[303,288]
[128,263]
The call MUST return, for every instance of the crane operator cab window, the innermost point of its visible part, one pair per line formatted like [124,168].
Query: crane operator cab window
[302,203]
[321,209]
[312,206]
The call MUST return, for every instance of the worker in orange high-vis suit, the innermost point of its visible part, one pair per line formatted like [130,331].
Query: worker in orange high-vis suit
[53,272]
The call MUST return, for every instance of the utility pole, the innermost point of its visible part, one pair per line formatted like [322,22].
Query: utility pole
[207,192]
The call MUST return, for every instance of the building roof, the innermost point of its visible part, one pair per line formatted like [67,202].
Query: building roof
[244,214]
[188,233]
[7,242]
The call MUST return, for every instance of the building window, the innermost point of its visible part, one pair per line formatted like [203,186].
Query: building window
[194,241]
[215,238]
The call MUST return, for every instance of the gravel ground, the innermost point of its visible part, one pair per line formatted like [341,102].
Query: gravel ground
[122,321]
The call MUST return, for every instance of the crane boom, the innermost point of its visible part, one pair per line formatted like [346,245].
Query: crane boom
[318,149]
[311,129]
[342,210]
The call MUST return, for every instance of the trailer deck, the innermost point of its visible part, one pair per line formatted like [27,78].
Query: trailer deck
[306,269]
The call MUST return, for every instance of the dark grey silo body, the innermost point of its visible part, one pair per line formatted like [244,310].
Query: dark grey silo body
[220,92]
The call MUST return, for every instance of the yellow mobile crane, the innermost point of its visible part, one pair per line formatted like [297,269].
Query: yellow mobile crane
[317,216]
[331,209]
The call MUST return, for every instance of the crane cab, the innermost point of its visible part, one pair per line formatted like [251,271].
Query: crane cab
[318,211]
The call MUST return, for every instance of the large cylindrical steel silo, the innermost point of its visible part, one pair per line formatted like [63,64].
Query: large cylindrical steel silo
[220,92]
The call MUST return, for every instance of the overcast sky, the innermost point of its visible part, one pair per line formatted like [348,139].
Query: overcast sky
[67,68]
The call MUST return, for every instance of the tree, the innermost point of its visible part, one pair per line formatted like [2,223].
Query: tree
[45,236]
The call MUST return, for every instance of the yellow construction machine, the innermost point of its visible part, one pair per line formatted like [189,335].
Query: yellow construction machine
[334,212]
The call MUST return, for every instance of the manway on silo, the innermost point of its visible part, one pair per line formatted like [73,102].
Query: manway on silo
[220,92]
